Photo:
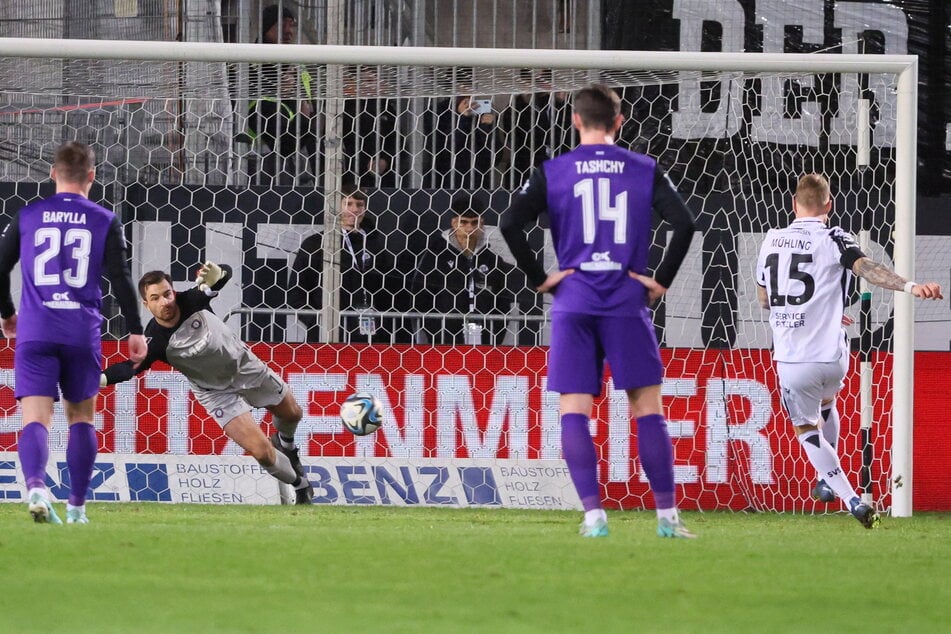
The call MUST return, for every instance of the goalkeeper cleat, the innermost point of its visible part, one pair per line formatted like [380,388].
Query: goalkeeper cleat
[865,514]
[676,530]
[304,493]
[76,515]
[41,509]
[598,529]
[822,492]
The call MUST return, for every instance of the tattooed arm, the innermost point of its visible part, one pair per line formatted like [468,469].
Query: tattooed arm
[880,275]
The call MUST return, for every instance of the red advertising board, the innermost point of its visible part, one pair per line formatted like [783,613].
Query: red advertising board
[733,445]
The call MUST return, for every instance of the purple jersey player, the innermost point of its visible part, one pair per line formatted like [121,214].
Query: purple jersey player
[600,199]
[64,244]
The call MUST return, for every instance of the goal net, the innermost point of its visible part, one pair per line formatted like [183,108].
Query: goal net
[254,156]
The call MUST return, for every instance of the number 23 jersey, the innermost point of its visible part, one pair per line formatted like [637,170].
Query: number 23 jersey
[806,269]
[64,244]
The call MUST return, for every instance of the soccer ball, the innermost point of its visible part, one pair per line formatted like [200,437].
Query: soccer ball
[361,413]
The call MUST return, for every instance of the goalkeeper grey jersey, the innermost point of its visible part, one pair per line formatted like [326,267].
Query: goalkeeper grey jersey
[200,346]
[806,268]
[207,352]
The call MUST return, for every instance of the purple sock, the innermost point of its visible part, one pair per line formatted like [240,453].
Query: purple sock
[657,458]
[80,458]
[34,450]
[578,449]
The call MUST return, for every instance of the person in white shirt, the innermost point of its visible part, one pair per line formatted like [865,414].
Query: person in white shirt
[802,274]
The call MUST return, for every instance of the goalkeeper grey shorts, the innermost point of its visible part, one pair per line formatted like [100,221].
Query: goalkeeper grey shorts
[256,385]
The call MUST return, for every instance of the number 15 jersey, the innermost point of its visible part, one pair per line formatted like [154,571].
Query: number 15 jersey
[805,269]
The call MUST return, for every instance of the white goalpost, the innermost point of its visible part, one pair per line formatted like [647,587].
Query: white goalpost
[713,119]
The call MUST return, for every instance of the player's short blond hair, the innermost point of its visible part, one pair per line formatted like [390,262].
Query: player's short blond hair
[813,191]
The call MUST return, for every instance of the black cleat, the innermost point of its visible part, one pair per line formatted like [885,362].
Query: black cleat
[305,494]
[865,514]
[822,492]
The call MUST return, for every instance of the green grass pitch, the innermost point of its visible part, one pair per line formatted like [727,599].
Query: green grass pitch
[190,568]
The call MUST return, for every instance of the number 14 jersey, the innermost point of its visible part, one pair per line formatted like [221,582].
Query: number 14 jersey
[806,269]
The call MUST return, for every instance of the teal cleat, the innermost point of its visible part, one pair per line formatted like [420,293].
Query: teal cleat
[599,529]
[676,530]
[864,513]
[76,515]
[42,511]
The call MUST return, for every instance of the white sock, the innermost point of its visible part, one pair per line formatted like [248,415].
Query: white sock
[826,462]
[591,517]
[830,426]
[282,469]
[70,507]
[670,515]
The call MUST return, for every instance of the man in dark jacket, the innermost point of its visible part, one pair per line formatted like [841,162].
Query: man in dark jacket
[459,274]
[365,265]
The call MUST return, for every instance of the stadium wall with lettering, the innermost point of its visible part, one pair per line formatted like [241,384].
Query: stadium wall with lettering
[912,27]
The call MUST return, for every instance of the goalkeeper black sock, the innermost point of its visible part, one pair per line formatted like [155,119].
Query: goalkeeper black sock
[285,432]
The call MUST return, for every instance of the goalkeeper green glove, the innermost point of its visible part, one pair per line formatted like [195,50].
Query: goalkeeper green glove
[209,275]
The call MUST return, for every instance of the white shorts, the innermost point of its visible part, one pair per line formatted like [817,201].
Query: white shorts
[803,387]
[264,389]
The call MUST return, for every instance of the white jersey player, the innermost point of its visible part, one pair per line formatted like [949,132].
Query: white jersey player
[803,272]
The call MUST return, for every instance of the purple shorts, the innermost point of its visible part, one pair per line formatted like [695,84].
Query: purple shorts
[581,343]
[40,366]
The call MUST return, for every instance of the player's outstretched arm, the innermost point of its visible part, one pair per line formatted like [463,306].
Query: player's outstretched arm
[880,275]
[125,370]
[212,277]
[138,348]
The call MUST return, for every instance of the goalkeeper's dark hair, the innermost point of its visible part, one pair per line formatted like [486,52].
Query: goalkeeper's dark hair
[153,277]
[597,105]
[73,161]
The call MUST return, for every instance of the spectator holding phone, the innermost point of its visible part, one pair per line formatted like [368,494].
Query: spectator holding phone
[464,142]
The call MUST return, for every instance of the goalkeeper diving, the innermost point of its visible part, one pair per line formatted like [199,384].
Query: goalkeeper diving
[224,375]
